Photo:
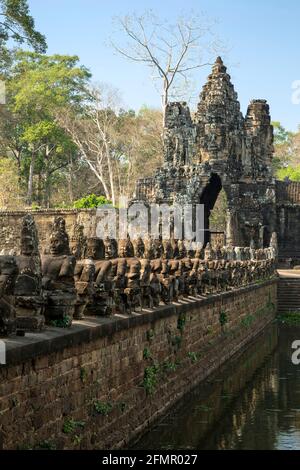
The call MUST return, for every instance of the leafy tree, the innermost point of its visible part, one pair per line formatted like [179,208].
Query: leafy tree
[283,145]
[18,25]
[91,201]
[10,191]
[113,143]
[218,214]
[39,87]
[289,172]
[281,135]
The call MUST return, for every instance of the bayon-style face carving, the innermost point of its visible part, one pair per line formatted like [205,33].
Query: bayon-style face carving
[110,249]
[59,239]
[149,248]
[139,248]
[125,248]
[94,250]
[29,238]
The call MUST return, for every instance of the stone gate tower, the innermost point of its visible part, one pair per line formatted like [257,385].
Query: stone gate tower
[219,148]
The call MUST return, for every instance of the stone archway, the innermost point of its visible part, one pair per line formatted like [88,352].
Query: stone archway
[208,198]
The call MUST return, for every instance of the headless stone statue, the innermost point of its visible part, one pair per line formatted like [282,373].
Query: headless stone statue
[145,274]
[102,253]
[208,253]
[156,267]
[84,283]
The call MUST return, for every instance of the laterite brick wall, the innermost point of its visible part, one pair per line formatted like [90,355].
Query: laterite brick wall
[101,383]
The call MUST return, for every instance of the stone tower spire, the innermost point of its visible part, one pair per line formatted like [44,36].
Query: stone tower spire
[179,135]
[259,139]
[219,119]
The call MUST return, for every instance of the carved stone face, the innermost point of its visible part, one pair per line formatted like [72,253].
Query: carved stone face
[93,250]
[57,244]
[29,239]
[125,248]
[59,239]
[27,245]
[139,248]
[109,248]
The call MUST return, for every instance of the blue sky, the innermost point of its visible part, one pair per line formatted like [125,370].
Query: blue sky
[262,39]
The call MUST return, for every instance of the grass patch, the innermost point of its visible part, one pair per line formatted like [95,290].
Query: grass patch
[193,357]
[147,354]
[289,318]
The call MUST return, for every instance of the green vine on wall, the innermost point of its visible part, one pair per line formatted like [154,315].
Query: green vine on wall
[181,322]
[102,408]
[223,318]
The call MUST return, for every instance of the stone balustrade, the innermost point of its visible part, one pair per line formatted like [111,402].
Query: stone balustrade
[107,277]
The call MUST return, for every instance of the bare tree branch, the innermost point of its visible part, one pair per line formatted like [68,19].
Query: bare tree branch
[172,50]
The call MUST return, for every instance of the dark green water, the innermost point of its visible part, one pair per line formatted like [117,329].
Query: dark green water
[251,403]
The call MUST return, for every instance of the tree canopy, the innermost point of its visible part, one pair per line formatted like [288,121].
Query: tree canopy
[18,25]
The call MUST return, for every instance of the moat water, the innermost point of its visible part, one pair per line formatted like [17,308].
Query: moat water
[251,403]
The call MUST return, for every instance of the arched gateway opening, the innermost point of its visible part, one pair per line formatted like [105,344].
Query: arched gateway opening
[214,200]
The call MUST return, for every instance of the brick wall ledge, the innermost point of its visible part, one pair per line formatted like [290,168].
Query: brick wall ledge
[20,349]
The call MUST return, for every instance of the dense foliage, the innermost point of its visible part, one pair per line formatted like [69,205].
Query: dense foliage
[91,201]
[286,160]
[18,25]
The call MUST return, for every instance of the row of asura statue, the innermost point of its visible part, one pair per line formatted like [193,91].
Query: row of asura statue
[81,276]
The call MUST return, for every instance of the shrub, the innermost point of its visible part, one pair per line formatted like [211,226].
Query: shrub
[91,201]
[102,408]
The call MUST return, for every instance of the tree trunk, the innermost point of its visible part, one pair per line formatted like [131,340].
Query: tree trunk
[70,180]
[110,173]
[47,193]
[39,190]
[30,180]
[165,99]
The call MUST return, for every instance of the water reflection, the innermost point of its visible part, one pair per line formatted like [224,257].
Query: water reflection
[251,403]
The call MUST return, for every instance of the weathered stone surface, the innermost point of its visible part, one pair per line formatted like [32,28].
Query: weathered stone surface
[28,287]
[58,276]
[219,148]
[8,275]
[58,376]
